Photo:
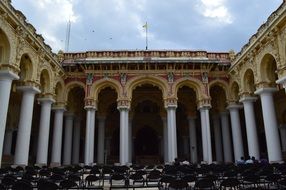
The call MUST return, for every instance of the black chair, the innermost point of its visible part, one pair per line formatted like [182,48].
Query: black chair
[47,185]
[178,184]
[165,181]
[204,183]
[136,180]
[75,178]
[56,178]
[230,183]
[250,180]
[272,180]
[68,184]
[8,181]
[93,182]
[22,185]
[153,179]
[118,181]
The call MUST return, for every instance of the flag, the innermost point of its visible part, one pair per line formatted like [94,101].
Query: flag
[145,25]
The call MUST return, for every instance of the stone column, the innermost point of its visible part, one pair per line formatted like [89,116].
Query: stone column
[165,137]
[6,78]
[69,117]
[193,139]
[236,130]
[227,150]
[89,135]
[206,134]
[57,136]
[76,141]
[218,138]
[172,132]
[124,137]
[270,124]
[252,138]
[100,139]
[25,124]
[8,142]
[44,130]
[130,138]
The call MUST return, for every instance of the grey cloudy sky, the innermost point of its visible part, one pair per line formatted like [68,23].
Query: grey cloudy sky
[212,25]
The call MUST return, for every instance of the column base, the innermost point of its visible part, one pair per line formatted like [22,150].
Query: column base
[55,164]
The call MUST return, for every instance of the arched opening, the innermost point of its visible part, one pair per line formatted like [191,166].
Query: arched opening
[248,82]
[221,128]
[108,117]
[188,144]
[146,117]
[268,69]
[4,48]
[26,68]
[45,82]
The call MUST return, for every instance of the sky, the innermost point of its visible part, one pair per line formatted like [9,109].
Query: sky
[211,25]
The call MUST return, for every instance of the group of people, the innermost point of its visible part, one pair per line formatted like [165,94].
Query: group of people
[251,160]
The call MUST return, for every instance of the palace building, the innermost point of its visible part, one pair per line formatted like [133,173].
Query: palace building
[144,107]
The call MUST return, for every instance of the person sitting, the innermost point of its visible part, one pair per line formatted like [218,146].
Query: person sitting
[186,162]
[249,160]
[176,162]
[241,161]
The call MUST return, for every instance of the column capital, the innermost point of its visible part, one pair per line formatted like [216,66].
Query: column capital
[8,75]
[248,99]
[31,89]
[59,106]
[46,99]
[234,106]
[265,90]
[204,103]
[123,104]
[171,103]
[90,103]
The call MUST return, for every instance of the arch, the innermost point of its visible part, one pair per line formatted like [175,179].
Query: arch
[26,68]
[102,84]
[267,68]
[4,48]
[218,98]
[161,83]
[248,81]
[70,86]
[234,91]
[59,91]
[45,81]
[46,69]
[223,84]
[193,83]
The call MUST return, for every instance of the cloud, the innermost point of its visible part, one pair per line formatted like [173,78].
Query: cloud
[215,9]
[53,15]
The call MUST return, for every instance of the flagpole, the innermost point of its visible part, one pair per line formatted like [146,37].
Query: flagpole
[146,36]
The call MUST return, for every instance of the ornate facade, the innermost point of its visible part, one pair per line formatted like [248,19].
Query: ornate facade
[140,106]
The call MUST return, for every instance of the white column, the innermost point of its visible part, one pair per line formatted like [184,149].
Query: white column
[68,138]
[252,138]
[8,142]
[57,136]
[123,144]
[270,124]
[283,136]
[193,139]
[100,139]
[236,131]
[130,138]
[172,132]
[206,134]
[76,141]
[89,135]
[44,130]
[25,124]
[6,78]
[218,138]
[165,139]
[227,150]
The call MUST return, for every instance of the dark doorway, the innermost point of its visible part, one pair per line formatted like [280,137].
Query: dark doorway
[146,142]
